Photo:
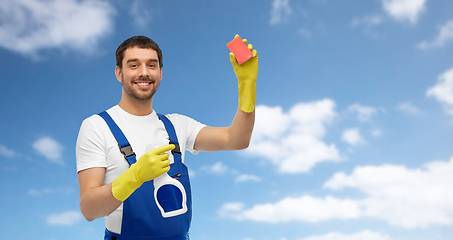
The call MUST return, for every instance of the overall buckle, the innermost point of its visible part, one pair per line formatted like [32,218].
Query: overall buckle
[127,151]
[176,150]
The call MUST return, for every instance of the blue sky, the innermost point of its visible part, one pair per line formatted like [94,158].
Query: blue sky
[354,118]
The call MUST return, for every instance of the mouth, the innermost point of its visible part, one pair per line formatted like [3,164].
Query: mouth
[143,84]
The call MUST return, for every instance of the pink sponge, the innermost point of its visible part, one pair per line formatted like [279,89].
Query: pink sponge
[240,50]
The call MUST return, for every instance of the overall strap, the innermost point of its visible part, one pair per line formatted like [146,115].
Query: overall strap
[126,148]
[173,138]
[123,144]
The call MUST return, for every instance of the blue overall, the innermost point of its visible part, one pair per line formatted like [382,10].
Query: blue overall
[142,218]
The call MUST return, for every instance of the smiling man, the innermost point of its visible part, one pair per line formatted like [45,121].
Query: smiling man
[130,160]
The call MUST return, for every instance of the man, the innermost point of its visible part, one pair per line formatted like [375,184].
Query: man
[141,188]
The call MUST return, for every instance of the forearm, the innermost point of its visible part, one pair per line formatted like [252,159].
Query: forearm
[98,202]
[96,199]
[240,131]
[235,137]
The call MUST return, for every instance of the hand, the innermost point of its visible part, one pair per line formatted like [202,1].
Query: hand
[153,163]
[246,74]
[249,69]
[150,166]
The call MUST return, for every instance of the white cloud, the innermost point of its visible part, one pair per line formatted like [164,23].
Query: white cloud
[50,149]
[7,152]
[35,192]
[218,168]
[44,191]
[230,210]
[369,20]
[445,35]
[247,177]
[367,23]
[407,107]
[141,14]
[292,140]
[68,218]
[443,90]
[404,10]
[280,11]
[32,25]
[364,235]
[304,208]
[353,137]
[410,198]
[376,132]
[364,113]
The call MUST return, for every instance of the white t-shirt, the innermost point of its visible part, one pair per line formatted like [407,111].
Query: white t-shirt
[97,147]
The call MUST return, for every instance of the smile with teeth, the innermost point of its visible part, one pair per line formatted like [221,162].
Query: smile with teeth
[143,83]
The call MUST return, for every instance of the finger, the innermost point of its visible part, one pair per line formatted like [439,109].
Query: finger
[165,163]
[255,53]
[159,159]
[245,41]
[163,149]
[163,157]
[237,35]
[166,169]
[233,58]
[250,47]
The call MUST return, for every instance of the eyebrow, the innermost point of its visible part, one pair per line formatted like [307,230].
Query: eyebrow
[136,60]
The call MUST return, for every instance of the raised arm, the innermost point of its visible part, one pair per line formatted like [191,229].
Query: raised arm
[237,135]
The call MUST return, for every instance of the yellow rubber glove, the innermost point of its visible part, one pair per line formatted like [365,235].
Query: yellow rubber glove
[150,166]
[246,75]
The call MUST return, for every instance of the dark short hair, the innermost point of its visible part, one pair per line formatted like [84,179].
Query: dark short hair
[141,42]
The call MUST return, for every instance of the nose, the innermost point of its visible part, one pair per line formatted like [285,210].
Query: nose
[143,71]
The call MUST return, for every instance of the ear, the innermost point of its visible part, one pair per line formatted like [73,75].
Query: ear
[161,74]
[118,74]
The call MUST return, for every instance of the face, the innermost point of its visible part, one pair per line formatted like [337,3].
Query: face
[140,73]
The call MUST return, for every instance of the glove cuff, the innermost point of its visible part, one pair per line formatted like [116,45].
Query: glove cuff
[125,184]
[247,95]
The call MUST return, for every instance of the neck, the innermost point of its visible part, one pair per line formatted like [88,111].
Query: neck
[136,107]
